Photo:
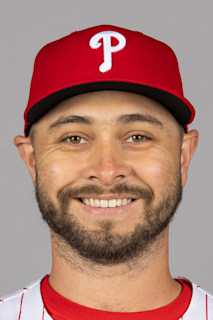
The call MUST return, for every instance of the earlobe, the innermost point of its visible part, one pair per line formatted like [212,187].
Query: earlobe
[26,151]
[189,146]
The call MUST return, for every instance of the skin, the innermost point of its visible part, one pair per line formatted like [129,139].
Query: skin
[109,155]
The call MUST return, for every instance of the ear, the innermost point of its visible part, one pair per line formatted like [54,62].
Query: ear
[26,151]
[189,146]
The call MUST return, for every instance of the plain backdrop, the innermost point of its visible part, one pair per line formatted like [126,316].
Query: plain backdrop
[25,26]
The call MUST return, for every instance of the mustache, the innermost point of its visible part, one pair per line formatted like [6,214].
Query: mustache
[94,190]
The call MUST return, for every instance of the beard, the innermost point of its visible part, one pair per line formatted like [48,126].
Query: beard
[104,246]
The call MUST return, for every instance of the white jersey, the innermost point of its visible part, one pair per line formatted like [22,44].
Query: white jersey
[27,304]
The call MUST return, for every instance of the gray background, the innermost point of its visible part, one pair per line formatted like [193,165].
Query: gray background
[25,26]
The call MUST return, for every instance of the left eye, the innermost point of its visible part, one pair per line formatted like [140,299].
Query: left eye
[74,139]
[137,138]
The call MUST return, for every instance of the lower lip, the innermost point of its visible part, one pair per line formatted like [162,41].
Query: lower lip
[107,211]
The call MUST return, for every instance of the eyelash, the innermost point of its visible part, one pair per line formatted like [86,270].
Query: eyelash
[68,139]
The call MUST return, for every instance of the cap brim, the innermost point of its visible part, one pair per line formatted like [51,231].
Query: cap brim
[181,109]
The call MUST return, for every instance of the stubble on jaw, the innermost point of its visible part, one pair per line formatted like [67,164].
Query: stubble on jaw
[130,268]
[104,248]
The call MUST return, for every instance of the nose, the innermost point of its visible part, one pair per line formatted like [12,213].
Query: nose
[107,165]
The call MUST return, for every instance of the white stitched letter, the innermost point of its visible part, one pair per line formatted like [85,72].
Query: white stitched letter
[108,49]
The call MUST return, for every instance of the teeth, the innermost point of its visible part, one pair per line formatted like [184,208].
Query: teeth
[92,202]
[97,203]
[119,202]
[125,201]
[112,203]
[87,201]
[104,203]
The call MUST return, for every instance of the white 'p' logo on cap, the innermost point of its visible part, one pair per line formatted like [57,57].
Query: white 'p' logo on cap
[108,49]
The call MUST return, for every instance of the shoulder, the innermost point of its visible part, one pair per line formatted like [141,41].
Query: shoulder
[201,305]
[13,305]
[203,295]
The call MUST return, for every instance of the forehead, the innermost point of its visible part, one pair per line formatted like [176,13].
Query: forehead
[106,106]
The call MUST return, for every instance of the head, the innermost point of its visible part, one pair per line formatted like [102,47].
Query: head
[108,145]
[108,156]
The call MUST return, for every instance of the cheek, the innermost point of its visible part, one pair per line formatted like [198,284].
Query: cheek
[157,171]
[56,172]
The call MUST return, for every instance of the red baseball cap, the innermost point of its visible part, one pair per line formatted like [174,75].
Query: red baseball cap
[106,57]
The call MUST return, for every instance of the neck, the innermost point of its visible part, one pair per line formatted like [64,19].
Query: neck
[139,285]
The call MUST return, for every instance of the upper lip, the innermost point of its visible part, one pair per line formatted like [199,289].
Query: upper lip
[108,197]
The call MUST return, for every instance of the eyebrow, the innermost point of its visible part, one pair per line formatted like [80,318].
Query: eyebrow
[138,117]
[122,119]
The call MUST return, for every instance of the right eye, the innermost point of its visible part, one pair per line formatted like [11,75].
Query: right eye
[74,139]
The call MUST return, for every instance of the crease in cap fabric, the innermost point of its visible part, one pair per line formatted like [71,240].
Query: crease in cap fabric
[106,58]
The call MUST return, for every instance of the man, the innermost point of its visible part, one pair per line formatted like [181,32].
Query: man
[108,148]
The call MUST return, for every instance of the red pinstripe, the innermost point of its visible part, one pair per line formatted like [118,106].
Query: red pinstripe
[207,307]
[21,306]
[43,314]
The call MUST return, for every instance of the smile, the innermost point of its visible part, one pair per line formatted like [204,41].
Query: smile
[112,203]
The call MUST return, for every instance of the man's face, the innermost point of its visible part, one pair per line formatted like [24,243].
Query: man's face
[107,149]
